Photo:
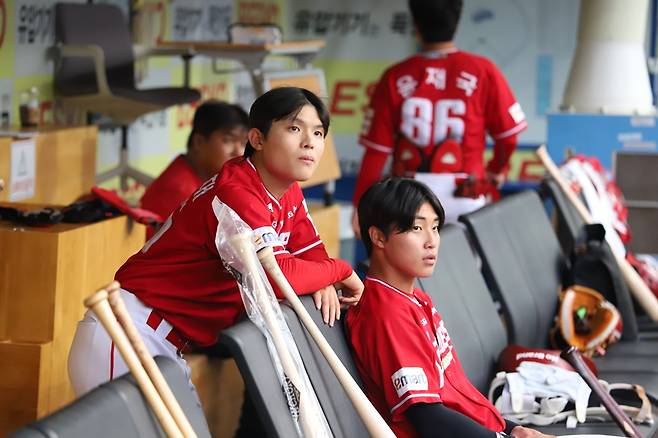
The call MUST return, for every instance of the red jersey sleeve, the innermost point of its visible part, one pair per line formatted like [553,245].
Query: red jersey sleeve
[405,368]
[504,116]
[372,165]
[305,276]
[380,120]
[304,236]
[505,119]
[246,202]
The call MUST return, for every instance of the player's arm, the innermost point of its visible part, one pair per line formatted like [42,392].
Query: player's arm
[305,276]
[380,126]
[306,245]
[321,279]
[504,121]
[372,166]
[428,418]
[502,152]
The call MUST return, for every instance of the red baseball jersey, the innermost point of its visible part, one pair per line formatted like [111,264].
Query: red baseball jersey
[174,185]
[436,96]
[179,274]
[404,355]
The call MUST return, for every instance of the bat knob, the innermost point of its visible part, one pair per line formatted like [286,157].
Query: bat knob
[96,298]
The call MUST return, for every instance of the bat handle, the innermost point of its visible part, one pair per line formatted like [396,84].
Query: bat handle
[99,304]
[244,245]
[575,359]
[145,357]
[373,421]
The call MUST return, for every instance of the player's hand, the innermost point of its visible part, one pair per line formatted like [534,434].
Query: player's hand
[326,300]
[497,178]
[355,224]
[351,288]
[525,432]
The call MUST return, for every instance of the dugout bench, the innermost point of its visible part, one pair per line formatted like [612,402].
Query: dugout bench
[460,294]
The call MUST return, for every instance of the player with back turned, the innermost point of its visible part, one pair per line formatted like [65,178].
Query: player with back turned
[432,111]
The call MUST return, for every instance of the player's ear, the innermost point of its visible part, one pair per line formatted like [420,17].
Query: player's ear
[255,138]
[377,237]
[196,141]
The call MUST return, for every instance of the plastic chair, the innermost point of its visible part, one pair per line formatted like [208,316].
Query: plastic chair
[95,73]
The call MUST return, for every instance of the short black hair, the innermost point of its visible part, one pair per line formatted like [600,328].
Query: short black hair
[213,115]
[283,103]
[391,205]
[436,20]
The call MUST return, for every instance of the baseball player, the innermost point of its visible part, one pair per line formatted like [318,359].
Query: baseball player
[176,288]
[432,112]
[218,134]
[401,345]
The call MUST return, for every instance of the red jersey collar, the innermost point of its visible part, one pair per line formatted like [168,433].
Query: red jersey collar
[272,197]
[408,296]
[439,53]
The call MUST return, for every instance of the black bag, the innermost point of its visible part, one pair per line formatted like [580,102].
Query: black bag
[593,265]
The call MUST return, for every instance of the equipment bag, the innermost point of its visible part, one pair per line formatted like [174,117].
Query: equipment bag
[541,394]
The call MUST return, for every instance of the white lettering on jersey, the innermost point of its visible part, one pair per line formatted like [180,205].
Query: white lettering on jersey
[268,236]
[409,379]
[467,82]
[443,337]
[443,346]
[368,115]
[425,126]
[269,207]
[406,85]
[516,112]
[416,120]
[284,237]
[445,125]
[205,187]
[436,76]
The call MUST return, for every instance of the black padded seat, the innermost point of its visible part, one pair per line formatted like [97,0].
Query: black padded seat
[118,409]
[249,348]
[522,263]
[461,296]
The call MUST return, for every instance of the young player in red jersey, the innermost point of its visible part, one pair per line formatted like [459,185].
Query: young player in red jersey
[218,134]
[176,288]
[401,345]
[432,111]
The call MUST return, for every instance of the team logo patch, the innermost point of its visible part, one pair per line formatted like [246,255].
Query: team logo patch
[409,379]
[517,113]
[268,236]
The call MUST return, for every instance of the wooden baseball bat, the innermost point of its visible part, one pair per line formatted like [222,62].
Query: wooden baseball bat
[244,246]
[638,287]
[101,307]
[575,359]
[374,423]
[119,308]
